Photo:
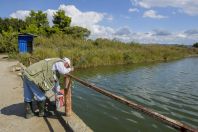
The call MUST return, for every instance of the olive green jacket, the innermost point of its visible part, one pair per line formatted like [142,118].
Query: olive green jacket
[41,73]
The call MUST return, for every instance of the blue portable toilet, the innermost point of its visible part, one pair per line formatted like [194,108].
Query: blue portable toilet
[25,42]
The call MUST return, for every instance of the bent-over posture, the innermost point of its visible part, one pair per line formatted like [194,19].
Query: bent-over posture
[41,77]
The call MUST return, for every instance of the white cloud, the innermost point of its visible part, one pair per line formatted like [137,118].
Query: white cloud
[20,14]
[91,20]
[153,14]
[123,31]
[160,36]
[150,37]
[181,35]
[101,32]
[50,14]
[133,10]
[191,32]
[189,7]
[161,32]
[85,19]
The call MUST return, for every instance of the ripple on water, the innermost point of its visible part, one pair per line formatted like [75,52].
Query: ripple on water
[114,117]
[154,125]
[139,115]
[168,88]
[131,120]
[183,112]
[124,111]
[81,98]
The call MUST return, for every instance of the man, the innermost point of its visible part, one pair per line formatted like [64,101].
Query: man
[41,78]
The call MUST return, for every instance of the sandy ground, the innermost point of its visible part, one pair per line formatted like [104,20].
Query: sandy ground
[12,107]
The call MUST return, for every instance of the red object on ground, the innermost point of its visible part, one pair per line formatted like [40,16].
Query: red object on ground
[60,99]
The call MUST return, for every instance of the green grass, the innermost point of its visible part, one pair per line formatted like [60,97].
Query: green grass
[89,53]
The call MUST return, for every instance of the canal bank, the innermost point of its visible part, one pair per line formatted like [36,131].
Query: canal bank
[12,107]
[122,125]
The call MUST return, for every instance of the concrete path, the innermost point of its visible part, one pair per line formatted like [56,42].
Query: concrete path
[12,107]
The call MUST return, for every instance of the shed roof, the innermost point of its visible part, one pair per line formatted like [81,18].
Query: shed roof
[27,34]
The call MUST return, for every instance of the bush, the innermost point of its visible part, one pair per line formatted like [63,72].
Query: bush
[8,42]
[86,53]
[24,58]
[195,45]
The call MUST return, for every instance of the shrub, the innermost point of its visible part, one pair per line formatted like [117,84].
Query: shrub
[8,42]
[195,45]
[89,53]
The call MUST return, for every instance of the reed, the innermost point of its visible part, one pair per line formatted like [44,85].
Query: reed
[91,53]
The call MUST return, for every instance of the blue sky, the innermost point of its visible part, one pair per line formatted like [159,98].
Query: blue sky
[146,21]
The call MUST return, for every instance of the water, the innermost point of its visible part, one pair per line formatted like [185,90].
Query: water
[169,88]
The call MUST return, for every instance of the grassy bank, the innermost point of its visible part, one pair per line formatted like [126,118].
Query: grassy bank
[89,53]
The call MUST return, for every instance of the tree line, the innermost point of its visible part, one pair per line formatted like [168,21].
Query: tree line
[37,23]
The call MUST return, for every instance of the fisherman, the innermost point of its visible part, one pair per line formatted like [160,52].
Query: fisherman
[41,78]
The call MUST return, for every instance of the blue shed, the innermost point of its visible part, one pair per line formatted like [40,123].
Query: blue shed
[25,42]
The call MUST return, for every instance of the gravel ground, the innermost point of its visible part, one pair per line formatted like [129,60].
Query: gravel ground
[12,107]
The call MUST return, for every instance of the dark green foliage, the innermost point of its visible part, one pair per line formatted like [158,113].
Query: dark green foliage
[36,23]
[11,24]
[77,32]
[61,20]
[39,19]
[8,42]
[195,45]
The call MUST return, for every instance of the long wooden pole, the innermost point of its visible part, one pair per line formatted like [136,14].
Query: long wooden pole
[171,122]
[67,94]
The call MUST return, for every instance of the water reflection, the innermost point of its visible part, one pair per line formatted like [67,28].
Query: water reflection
[169,88]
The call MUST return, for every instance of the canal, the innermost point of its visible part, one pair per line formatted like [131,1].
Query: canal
[169,88]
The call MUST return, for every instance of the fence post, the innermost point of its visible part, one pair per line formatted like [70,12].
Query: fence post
[67,96]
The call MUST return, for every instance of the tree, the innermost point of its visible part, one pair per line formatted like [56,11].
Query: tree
[37,23]
[39,19]
[195,45]
[13,24]
[5,24]
[52,30]
[31,29]
[60,20]
[77,32]
[8,41]
[1,23]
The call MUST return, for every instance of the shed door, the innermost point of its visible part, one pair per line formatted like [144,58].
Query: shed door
[22,46]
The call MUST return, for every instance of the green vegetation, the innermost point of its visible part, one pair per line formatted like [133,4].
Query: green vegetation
[89,53]
[62,39]
[37,23]
[195,45]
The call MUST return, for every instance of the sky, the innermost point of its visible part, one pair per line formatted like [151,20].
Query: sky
[144,21]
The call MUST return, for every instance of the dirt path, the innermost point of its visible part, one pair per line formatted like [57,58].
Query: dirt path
[12,107]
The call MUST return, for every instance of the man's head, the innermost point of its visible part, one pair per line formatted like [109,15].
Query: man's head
[67,62]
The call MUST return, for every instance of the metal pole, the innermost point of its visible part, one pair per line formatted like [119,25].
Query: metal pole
[67,96]
[171,122]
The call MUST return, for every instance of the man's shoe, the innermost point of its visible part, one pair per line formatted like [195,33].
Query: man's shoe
[28,110]
[41,107]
